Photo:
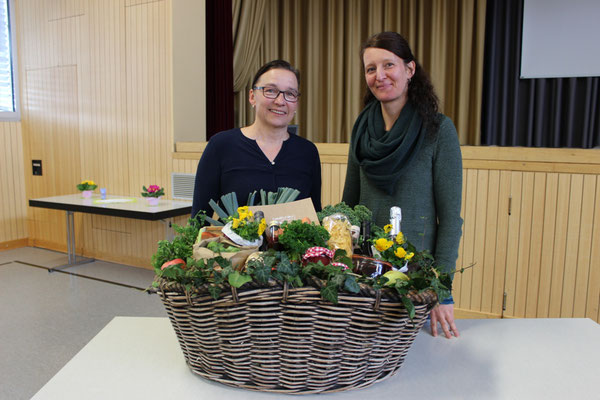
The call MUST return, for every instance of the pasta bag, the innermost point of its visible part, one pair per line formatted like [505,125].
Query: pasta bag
[339,229]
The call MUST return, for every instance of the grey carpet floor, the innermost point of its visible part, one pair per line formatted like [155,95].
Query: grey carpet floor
[46,318]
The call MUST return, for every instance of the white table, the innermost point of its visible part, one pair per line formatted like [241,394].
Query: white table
[139,358]
[114,206]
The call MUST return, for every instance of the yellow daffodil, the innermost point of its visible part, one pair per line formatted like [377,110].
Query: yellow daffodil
[88,183]
[235,223]
[262,226]
[383,244]
[400,252]
[400,238]
[409,256]
[387,228]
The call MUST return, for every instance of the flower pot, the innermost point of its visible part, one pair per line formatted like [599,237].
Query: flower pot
[152,201]
[86,194]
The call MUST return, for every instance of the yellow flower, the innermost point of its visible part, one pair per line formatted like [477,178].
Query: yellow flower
[387,228]
[244,212]
[409,256]
[400,238]
[383,244]
[262,226]
[400,252]
[235,223]
[88,183]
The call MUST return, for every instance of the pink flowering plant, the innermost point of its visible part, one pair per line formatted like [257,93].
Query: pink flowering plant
[152,191]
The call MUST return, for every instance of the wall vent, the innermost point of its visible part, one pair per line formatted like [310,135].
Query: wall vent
[183,185]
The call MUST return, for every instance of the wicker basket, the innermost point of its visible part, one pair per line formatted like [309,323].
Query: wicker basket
[275,339]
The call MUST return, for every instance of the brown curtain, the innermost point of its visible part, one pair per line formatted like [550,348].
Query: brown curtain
[323,37]
[247,29]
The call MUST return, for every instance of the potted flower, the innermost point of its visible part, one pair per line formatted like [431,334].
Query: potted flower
[152,193]
[86,187]
[243,229]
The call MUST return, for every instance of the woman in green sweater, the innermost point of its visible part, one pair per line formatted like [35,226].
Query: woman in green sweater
[404,153]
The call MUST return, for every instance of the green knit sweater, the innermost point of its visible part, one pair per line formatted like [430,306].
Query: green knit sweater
[429,195]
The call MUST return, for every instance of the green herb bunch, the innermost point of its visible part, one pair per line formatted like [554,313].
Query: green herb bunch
[182,244]
[298,236]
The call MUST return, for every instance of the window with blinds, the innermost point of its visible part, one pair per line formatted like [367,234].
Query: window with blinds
[8,92]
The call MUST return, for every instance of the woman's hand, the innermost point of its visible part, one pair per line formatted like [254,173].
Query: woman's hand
[444,314]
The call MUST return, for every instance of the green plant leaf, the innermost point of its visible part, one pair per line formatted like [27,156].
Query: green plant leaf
[285,266]
[214,291]
[330,293]
[410,307]
[337,280]
[222,214]
[237,280]
[351,285]
[262,273]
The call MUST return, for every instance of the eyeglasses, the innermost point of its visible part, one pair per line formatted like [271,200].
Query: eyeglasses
[272,93]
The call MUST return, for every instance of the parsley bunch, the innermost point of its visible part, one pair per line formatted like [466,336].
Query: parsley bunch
[298,236]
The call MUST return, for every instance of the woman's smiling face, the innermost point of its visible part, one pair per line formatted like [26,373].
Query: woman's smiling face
[275,112]
[387,75]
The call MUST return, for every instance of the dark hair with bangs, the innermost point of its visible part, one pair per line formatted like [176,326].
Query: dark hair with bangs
[276,64]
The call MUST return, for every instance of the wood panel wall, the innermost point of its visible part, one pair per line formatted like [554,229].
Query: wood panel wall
[97,105]
[13,212]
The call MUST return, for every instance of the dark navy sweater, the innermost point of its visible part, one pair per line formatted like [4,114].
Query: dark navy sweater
[233,162]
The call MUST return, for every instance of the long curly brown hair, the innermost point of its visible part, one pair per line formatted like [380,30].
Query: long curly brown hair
[420,90]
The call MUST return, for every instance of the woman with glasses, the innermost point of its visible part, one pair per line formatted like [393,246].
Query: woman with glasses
[404,153]
[263,155]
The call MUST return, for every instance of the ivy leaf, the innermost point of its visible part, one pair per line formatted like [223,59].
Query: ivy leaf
[285,267]
[337,280]
[214,291]
[297,282]
[172,272]
[351,285]
[262,274]
[237,280]
[410,307]
[330,293]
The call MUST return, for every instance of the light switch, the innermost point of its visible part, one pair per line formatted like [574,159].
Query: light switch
[37,167]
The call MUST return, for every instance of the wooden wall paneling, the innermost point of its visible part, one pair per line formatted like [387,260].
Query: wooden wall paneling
[146,140]
[469,236]
[585,246]
[337,183]
[547,260]
[53,133]
[480,239]
[574,222]
[592,308]
[502,236]
[560,245]
[489,246]
[513,242]
[13,214]
[523,249]
[535,247]
[325,184]
[457,281]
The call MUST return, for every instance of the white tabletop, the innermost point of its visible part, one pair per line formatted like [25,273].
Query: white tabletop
[136,358]
[114,205]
